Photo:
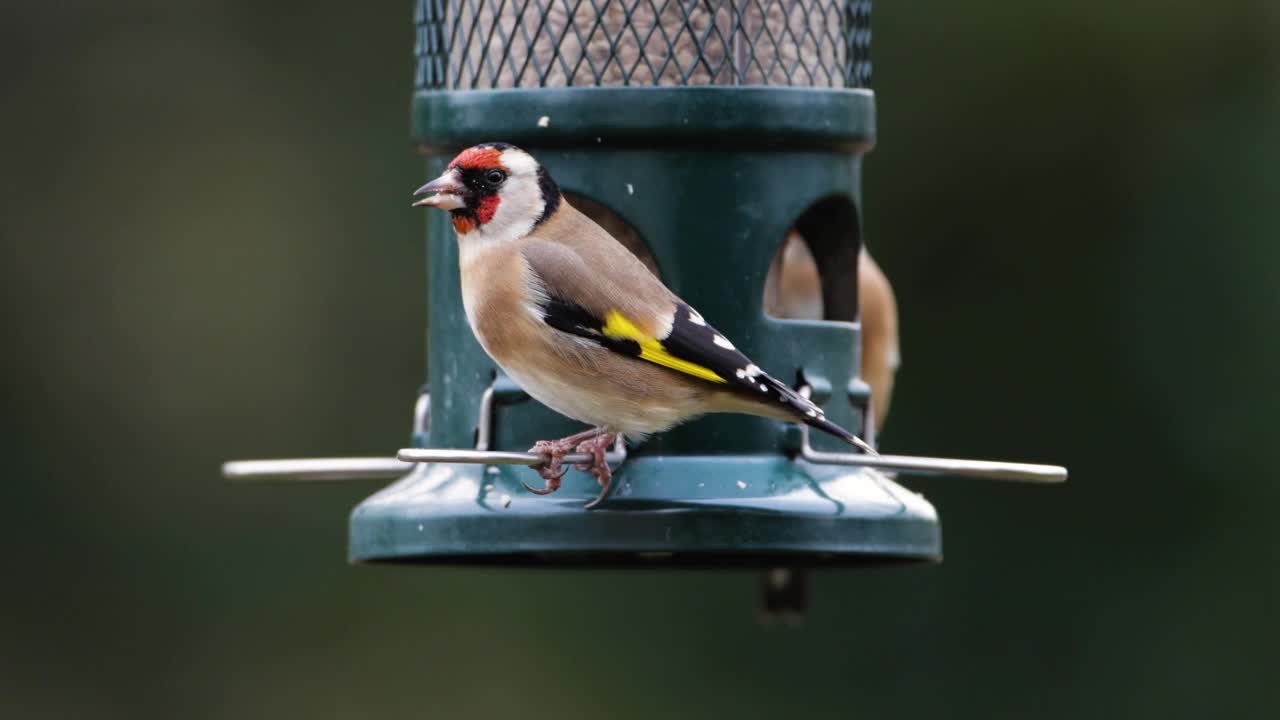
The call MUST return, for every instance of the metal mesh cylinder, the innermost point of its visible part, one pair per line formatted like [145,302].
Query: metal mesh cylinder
[490,44]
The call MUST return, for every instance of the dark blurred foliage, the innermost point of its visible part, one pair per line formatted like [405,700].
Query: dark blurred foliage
[207,253]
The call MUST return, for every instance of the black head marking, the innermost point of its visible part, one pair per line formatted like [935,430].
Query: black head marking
[550,195]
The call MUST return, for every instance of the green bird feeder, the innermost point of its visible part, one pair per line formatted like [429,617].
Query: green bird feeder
[700,133]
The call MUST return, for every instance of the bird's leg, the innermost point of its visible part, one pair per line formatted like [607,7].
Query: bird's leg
[553,468]
[597,447]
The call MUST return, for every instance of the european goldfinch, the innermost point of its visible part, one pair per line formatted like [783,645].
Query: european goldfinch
[793,289]
[582,325]
[878,310]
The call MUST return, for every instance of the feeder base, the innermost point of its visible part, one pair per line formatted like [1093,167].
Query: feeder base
[682,511]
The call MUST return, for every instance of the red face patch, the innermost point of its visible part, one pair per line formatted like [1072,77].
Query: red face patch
[488,206]
[478,158]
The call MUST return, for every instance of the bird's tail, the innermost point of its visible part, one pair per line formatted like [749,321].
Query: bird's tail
[805,410]
[827,426]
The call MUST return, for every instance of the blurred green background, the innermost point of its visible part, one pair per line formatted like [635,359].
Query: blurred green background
[207,253]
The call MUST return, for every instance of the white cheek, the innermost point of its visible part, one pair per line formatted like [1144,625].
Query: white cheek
[520,208]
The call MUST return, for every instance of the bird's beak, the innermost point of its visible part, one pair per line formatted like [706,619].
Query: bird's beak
[449,192]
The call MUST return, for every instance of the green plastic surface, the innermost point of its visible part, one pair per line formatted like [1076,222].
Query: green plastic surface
[711,179]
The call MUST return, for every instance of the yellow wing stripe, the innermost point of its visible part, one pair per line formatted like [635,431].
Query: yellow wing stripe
[617,326]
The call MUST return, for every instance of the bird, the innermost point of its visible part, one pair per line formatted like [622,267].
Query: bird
[881,354]
[582,326]
[793,289]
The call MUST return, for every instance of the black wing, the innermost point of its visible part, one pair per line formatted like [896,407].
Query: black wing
[694,348]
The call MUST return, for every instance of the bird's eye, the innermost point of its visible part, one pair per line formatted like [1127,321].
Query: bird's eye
[493,177]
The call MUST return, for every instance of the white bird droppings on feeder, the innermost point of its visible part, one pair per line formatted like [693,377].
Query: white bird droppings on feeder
[506,500]
[742,485]
[631,189]
[544,121]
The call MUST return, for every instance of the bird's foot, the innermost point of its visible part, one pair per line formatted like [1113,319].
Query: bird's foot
[553,468]
[597,447]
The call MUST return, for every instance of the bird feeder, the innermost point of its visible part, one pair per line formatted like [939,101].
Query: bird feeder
[700,134]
